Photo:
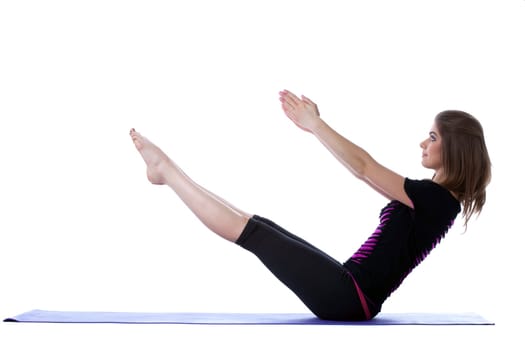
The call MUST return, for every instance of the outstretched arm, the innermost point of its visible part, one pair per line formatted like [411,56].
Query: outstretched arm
[305,114]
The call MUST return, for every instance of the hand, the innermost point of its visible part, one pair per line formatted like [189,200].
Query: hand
[303,112]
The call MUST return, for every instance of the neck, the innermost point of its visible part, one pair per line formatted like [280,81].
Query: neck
[438,177]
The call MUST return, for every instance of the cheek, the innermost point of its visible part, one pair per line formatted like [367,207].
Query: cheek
[436,153]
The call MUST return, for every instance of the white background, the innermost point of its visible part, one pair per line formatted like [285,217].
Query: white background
[82,229]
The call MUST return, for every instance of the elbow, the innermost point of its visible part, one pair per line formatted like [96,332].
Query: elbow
[363,167]
[360,170]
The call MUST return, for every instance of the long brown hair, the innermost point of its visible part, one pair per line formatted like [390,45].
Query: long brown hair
[465,158]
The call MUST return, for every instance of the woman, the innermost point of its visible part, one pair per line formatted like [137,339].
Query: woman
[418,215]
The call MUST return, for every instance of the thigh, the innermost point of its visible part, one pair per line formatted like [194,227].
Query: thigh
[288,233]
[322,283]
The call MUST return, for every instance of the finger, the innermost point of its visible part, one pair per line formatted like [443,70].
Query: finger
[311,103]
[290,97]
[289,104]
[287,111]
[307,100]
[286,105]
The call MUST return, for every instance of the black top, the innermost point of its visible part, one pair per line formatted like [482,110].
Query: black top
[403,238]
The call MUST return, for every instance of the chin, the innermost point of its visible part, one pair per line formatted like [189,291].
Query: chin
[426,166]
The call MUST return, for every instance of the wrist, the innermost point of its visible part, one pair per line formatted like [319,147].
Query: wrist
[317,125]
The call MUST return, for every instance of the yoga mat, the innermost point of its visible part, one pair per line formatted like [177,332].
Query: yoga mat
[43,316]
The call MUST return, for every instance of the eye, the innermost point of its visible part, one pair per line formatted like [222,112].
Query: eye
[432,138]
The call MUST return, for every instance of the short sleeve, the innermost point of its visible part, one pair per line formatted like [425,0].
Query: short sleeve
[428,196]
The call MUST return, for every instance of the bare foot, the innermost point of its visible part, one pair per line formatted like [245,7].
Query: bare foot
[156,160]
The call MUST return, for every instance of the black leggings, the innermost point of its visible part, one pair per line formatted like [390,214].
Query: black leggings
[323,284]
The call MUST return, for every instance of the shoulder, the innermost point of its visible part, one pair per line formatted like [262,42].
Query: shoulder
[429,194]
[424,187]
[420,184]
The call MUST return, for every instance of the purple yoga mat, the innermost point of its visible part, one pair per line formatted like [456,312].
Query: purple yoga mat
[43,316]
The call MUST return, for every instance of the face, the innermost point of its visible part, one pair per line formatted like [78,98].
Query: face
[431,157]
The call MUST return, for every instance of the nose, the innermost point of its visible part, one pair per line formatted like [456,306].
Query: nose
[423,144]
